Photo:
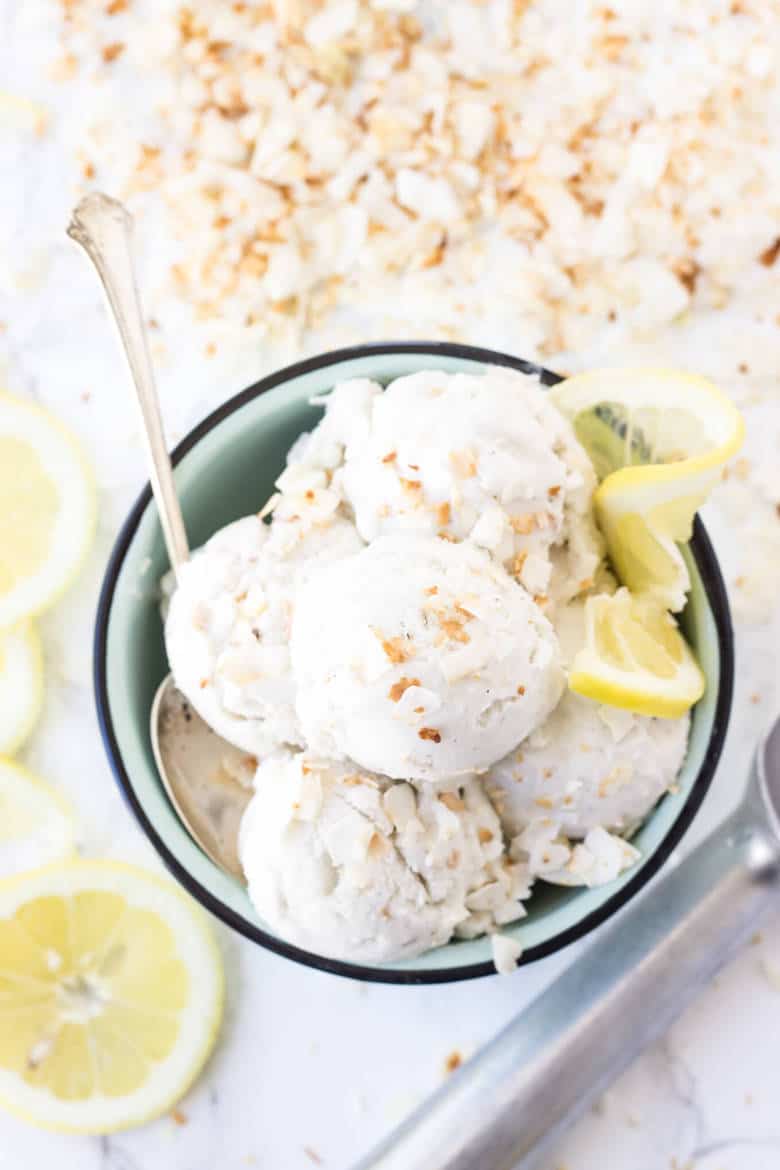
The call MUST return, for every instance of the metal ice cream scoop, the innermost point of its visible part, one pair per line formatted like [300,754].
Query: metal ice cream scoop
[199,770]
[504,1107]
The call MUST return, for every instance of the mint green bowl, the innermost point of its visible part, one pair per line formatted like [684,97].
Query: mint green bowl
[226,468]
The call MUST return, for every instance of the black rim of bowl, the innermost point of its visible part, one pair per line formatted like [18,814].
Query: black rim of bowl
[714,588]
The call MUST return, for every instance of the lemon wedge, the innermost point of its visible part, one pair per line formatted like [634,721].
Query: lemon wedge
[111,993]
[36,822]
[21,685]
[635,657]
[47,510]
[658,440]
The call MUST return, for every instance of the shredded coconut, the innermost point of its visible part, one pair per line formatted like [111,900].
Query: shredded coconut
[506,953]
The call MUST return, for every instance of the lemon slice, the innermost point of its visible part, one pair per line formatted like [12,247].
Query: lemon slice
[47,510]
[21,685]
[658,440]
[36,822]
[111,994]
[635,657]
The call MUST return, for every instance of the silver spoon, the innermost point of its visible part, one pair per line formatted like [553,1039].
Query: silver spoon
[505,1106]
[199,770]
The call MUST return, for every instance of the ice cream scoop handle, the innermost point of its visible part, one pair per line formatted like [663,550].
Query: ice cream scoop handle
[560,1054]
[103,226]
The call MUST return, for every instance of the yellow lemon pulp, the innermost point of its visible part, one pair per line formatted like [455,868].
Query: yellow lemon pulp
[94,986]
[110,995]
[47,509]
[635,657]
[27,518]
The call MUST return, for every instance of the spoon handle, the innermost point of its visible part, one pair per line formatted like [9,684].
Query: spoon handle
[103,228]
[502,1109]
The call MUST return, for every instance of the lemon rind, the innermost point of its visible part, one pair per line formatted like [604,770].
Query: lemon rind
[604,690]
[631,479]
[626,489]
[574,394]
[631,688]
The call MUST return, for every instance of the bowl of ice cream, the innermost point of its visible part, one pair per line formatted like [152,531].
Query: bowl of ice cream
[392,650]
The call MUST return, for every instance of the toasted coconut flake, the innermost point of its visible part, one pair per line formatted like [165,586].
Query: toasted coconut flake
[523,525]
[452,630]
[770,254]
[517,563]
[398,689]
[464,463]
[112,51]
[584,213]
[506,954]
[443,513]
[398,650]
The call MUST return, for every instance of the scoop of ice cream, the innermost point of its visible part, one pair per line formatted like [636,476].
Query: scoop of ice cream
[486,457]
[421,659]
[228,622]
[354,866]
[588,766]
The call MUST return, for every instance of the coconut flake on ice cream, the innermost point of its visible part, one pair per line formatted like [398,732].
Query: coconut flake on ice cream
[354,866]
[228,623]
[485,457]
[587,766]
[420,659]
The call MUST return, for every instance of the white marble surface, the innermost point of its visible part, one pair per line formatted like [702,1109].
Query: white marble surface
[311,1067]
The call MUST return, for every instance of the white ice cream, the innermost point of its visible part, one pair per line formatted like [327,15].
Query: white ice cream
[588,766]
[228,623]
[420,658]
[589,774]
[486,457]
[441,771]
[354,866]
